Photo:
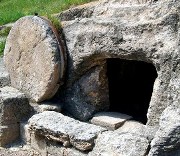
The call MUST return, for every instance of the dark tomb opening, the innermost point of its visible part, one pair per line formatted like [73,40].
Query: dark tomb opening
[130,87]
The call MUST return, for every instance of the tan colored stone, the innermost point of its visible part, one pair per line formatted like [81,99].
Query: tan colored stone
[38,143]
[110,120]
[34,58]
[24,133]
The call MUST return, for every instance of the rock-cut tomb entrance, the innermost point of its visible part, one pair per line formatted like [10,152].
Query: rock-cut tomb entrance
[130,87]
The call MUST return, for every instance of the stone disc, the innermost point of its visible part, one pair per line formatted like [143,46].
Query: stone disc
[34,57]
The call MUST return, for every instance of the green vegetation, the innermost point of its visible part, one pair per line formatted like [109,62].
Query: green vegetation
[2,46]
[55,22]
[11,10]
[5,31]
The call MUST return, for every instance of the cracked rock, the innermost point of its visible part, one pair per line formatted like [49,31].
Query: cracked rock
[57,127]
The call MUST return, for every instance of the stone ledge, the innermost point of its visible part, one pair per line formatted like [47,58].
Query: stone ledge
[60,128]
[46,106]
[110,120]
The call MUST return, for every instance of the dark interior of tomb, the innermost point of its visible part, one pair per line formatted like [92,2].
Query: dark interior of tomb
[130,87]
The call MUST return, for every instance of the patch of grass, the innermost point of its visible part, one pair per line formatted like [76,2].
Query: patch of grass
[2,46]
[56,23]
[11,10]
[5,31]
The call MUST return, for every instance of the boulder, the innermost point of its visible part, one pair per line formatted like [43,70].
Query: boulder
[139,129]
[167,139]
[60,128]
[110,120]
[120,144]
[88,94]
[14,108]
[129,30]
[34,58]
[4,76]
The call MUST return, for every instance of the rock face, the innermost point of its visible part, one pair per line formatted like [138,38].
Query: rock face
[128,30]
[66,130]
[91,88]
[122,144]
[34,58]
[167,138]
[4,76]
[14,107]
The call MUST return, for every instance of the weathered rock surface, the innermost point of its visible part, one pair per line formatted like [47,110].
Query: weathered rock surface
[120,144]
[139,129]
[18,152]
[128,30]
[14,107]
[167,139]
[110,120]
[58,150]
[34,58]
[88,94]
[24,133]
[46,106]
[58,127]
[4,76]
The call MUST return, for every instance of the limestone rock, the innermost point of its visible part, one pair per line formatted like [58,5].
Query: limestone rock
[38,142]
[110,120]
[50,148]
[139,129]
[119,144]
[88,94]
[46,106]
[82,11]
[24,133]
[130,31]
[54,149]
[167,138]
[34,58]
[50,107]
[58,127]
[14,107]
[4,76]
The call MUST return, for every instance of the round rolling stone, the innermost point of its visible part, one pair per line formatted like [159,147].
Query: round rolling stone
[34,57]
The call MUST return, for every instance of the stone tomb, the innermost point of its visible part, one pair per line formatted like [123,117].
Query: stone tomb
[121,57]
